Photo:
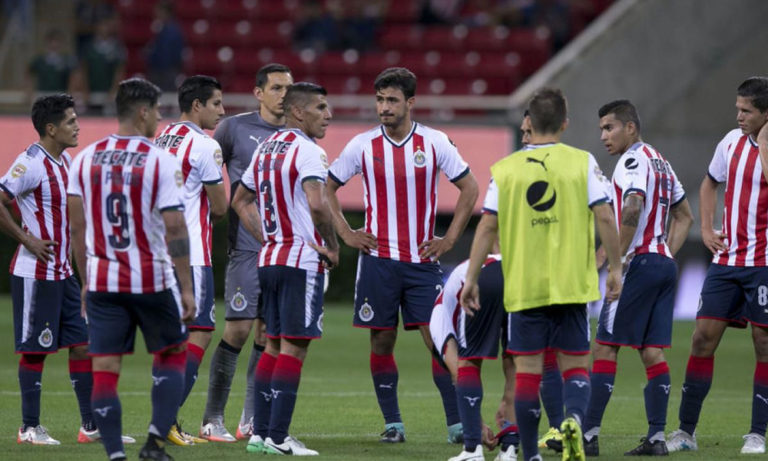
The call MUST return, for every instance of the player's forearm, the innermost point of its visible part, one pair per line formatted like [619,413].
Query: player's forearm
[323,222]
[177,241]
[8,225]
[486,234]
[77,236]
[464,207]
[630,218]
[682,220]
[609,236]
[340,223]
[245,207]
[707,201]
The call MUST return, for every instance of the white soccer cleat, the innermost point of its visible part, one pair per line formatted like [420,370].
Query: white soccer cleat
[86,436]
[37,435]
[244,431]
[215,431]
[476,455]
[509,455]
[754,444]
[680,440]
[290,447]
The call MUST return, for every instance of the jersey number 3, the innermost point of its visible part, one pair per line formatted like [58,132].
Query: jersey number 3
[270,218]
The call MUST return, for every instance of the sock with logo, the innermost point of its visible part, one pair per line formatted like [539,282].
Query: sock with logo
[194,357]
[223,367]
[80,374]
[656,394]
[760,394]
[285,385]
[469,394]
[30,383]
[107,411]
[385,377]
[167,389]
[528,412]
[552,389]
[698,379]
[603,377]
[250,385]
[442,379]
[576,390]
[262,404]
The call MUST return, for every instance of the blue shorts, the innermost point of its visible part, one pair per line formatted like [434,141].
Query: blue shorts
[642,317]
[563,328]
[293,302]
[735,295]
[205,306]
[113,317]
[46,315]
[384,287]
[478,336]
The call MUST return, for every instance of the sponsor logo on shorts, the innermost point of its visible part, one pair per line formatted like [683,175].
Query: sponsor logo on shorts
[320,323]
[46,338]
[366,312]
[238,302]
[213,314]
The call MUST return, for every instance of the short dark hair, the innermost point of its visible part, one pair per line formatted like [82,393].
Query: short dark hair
[298,94]
[755,88]
[134,92]
[50,109]
[397,77]
[623,110]
[549,110]
[262,75]
[200,87]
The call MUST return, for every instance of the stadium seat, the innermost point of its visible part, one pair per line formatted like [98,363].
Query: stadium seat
[400,37]
[339,63]
[444,38]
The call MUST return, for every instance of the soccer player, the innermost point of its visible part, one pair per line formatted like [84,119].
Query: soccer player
[200,102]
[400,161]
[735,288]
[128,233]
[287,173]
[539,203]
[646,194]
[45,293]
[238,137]
[464,340]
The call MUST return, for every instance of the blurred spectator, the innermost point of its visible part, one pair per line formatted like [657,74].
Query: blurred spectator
[316,28]
[440,11]
[52,70]
[103,65]
[164,52]
[552,14]
[341,25]
[89,13]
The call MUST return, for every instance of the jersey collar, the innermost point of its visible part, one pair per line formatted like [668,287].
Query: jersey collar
[40,147]
[402,143]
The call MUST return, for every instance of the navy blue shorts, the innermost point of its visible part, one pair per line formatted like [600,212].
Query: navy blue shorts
[735,295]
[563,328]
[46,315]
[384,287]
[642,316]
[293,302]
[113,318]
[478,336]
[205,305]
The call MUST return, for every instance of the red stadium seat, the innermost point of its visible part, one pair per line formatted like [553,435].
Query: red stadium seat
[339,63]
[444,38]
[399,37]
[139,33]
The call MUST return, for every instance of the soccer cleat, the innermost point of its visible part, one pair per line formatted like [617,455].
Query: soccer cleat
[648,448]
[176,437]
[552,434]
[255,445]
[36,435]
[573,449]
[393,433]
[290,446]
[215,431]
[754,444]
[244,431]
[86,436]
[465,455]
[456,433]
[153,453]
[510,454]
[591,447]
[680,440]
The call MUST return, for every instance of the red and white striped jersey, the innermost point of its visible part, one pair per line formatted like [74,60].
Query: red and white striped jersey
[38,182]
[643,171]
[276,173]
[745,217]
[126,182]
[201,160]
[400,183]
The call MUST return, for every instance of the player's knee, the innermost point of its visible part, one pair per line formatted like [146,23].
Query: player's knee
[703,343]
[651,356]
[604,352]
[760,340]
[78,353]
[236,332]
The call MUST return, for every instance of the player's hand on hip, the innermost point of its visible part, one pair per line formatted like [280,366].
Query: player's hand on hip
[613,284]
[470,298]
[42,249]
[434,248]
[188,305]
[360,240]
[330,258]
[714,240]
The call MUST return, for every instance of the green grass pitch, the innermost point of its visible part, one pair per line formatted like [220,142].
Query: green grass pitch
[337,414]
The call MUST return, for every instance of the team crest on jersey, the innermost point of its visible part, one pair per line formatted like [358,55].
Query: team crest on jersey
[419,157]
[18,170]
[366,312]
[46,338]
[238,302]
[179,178]
[218,157]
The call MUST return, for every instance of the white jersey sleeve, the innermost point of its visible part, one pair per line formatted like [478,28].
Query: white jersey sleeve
[718,167]
[24,176]
[312,164]
[247,179]
[170,183]
[349,162]
[631,174]
[598,188]
[210,162]
[491,203]
[74,177]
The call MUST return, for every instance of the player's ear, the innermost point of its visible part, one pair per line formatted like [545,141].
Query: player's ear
[258,92]
[564,126]
[410,102]
[50,129]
